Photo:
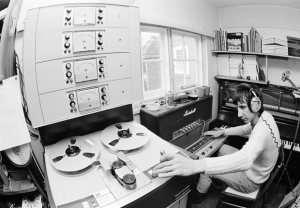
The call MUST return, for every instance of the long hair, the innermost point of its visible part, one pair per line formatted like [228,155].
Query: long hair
[244,93]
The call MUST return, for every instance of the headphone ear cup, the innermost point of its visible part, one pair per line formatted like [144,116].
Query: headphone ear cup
[255,104]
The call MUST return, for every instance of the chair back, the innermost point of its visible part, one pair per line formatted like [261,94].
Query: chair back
[274,172]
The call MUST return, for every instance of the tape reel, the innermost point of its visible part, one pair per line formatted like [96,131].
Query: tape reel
[74,154]
[128,137]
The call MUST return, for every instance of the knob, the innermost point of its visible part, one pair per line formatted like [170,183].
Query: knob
[69,74]
[67,45]
[104,97]
[67,36]
[100,10]
[100,17]
[71,96]
[103,90]
[100,34]
[101,61]
[68,65]
[68,18]
[69,10]
[72,104]
[101,69]
[100,42]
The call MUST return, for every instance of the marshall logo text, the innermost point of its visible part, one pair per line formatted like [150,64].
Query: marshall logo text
[189,112]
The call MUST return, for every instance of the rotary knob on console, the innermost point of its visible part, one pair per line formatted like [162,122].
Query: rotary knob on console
[100,17]
[68,18]
[101,61]
[100,10]
[101,69]
[69,74]
[100,42]
[72,104]
[104,97]
[68,66]
[100,34]
[67,36]
[67,45]
[103,90]
[71,96]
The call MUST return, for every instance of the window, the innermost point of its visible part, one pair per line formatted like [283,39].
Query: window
[154,61]
[159,76]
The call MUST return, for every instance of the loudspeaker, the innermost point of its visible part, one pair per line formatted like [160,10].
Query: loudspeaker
[255,102]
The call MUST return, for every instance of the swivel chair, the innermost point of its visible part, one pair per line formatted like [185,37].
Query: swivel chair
[233,198]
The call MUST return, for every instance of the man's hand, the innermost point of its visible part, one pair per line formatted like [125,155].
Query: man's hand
[177,165]
[215,134]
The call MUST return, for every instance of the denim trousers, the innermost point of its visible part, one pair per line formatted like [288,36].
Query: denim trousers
[237,180]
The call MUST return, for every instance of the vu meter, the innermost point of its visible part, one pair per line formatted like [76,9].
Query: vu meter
[85,70]
[84,16]
[88,99]
[84,41]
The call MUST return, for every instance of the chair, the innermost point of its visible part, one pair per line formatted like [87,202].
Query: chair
[235,198]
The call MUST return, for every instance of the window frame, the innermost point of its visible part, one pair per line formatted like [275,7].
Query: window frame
[168,61]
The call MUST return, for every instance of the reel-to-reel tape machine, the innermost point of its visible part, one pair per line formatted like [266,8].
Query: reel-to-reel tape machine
[115,162]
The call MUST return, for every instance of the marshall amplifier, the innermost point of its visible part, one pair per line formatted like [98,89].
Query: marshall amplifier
[182,125]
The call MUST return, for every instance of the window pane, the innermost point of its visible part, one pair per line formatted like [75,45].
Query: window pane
[151,76]
[185,73]
[191,73]
[150,45]
[178,51]
[190,47]
[179,73]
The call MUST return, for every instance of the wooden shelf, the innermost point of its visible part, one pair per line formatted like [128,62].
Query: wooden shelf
[257,54]
[240,80]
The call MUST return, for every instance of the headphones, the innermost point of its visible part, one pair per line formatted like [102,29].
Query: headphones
[255,102]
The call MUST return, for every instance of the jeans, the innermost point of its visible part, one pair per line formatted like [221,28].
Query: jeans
[238,180]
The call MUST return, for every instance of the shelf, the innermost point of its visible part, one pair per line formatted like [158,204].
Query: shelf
[257,54]
[240,80]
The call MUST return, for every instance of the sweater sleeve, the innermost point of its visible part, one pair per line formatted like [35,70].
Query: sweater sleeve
[241,160]
[239,130]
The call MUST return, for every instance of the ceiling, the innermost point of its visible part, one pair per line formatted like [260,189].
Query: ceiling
[232,3]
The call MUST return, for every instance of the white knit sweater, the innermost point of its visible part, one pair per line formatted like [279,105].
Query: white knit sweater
[257,157]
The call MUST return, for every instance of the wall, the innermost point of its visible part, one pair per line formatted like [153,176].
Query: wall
[270,21]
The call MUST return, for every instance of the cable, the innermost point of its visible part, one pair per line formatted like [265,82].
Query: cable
[271,132]
[24,102]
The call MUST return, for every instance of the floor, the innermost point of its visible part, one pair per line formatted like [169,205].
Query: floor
[213,196]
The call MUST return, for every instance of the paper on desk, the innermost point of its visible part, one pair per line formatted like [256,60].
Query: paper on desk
[13,128]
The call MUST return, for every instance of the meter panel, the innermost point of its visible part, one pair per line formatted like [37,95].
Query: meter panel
[60,74]
[88,99]
[85,70]
[84,16]
[63,44]
[67,104]
[62,17]
[84,41]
